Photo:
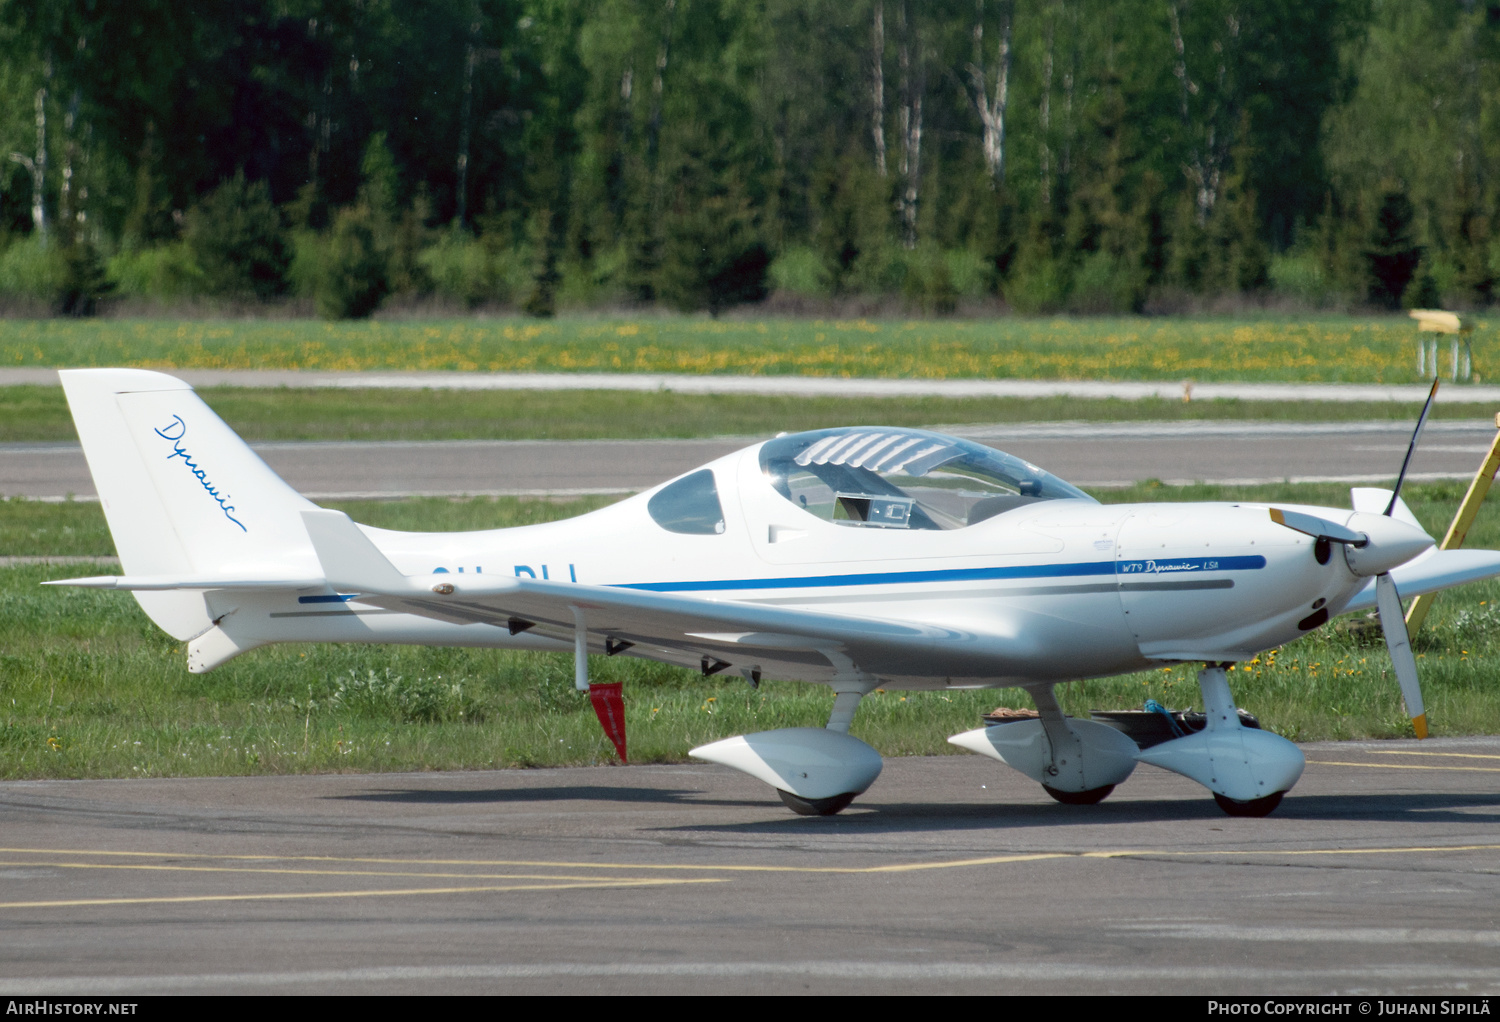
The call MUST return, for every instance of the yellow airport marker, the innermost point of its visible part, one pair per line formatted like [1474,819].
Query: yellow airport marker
[1467,512]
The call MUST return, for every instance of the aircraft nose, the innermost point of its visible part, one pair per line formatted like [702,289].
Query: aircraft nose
[1391,543]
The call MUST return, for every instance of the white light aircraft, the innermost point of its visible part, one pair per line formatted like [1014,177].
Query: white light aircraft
[850,557]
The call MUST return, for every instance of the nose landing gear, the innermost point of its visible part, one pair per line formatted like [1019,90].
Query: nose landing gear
[1247,769]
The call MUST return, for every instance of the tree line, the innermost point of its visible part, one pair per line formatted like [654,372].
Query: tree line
[1108,155]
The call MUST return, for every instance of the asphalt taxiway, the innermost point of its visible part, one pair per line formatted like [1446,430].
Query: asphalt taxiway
[1089,454]
[1377,875]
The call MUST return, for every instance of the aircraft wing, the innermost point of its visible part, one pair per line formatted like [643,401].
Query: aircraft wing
[712,634]
[1440,569]
[679,629]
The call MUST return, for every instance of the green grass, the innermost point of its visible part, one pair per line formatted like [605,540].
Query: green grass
[77,528]
[1327,348]
[40,414]
[90,688]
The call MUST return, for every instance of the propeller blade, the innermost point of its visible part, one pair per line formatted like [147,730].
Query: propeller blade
[1318,528]
[1393,624]
[1411,448]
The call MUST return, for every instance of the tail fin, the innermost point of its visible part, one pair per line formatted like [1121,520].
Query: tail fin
[182,493]
[1376,500]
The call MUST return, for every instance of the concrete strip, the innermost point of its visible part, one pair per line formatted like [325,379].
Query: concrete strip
[862,975]
[1364,882]
[809,386]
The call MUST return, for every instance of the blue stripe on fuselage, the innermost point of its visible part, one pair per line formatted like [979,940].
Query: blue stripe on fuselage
[1030,571]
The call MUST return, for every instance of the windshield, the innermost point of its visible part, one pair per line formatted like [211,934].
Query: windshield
[894,478]
[689,506]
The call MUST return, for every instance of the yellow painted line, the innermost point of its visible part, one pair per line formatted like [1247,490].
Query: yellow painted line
[956,863]
[1125,853]
[901,867]
[303,872]
[304,896]
[1408,752]
[843,870]
[1404,766]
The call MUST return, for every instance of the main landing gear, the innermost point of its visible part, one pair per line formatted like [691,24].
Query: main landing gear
[816,806]
[1252,807]
[1092,797]
[816,771]
[1247,769]
[1079,762]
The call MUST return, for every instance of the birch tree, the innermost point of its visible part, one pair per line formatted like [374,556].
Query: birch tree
[1044,112]
[36,165]
[991,106]
[877,84]
[1207,104]
[913,67]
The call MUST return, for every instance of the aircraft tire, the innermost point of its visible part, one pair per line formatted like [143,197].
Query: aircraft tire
[816,806]
[1250,807]
[1080,798]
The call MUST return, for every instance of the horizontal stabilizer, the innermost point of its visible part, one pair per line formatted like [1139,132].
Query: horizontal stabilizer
[1441,569]
[350,562]
[158,583]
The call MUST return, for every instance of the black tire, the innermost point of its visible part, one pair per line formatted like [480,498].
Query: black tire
[1092,797]
[1251,807]
[816,806]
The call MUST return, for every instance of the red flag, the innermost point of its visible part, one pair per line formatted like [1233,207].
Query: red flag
[609,705]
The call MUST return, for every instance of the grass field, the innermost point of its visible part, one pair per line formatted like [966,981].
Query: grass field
[37,413]
[89,687]
[1331,348]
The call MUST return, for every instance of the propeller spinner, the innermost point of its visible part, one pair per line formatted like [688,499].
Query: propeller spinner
[1373,545]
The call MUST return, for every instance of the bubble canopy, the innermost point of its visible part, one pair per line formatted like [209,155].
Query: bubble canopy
[896,478]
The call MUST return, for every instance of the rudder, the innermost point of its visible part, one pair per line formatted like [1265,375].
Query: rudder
[182,493]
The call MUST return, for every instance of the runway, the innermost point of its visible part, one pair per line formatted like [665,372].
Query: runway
[1089,454]
[1377,875]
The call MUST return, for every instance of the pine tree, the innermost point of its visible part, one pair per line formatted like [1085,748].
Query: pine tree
[544,234]
[83,281]
[714,255]
[1392,253]
[852,219]
[352,280]
[236,237]
[1469,237]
